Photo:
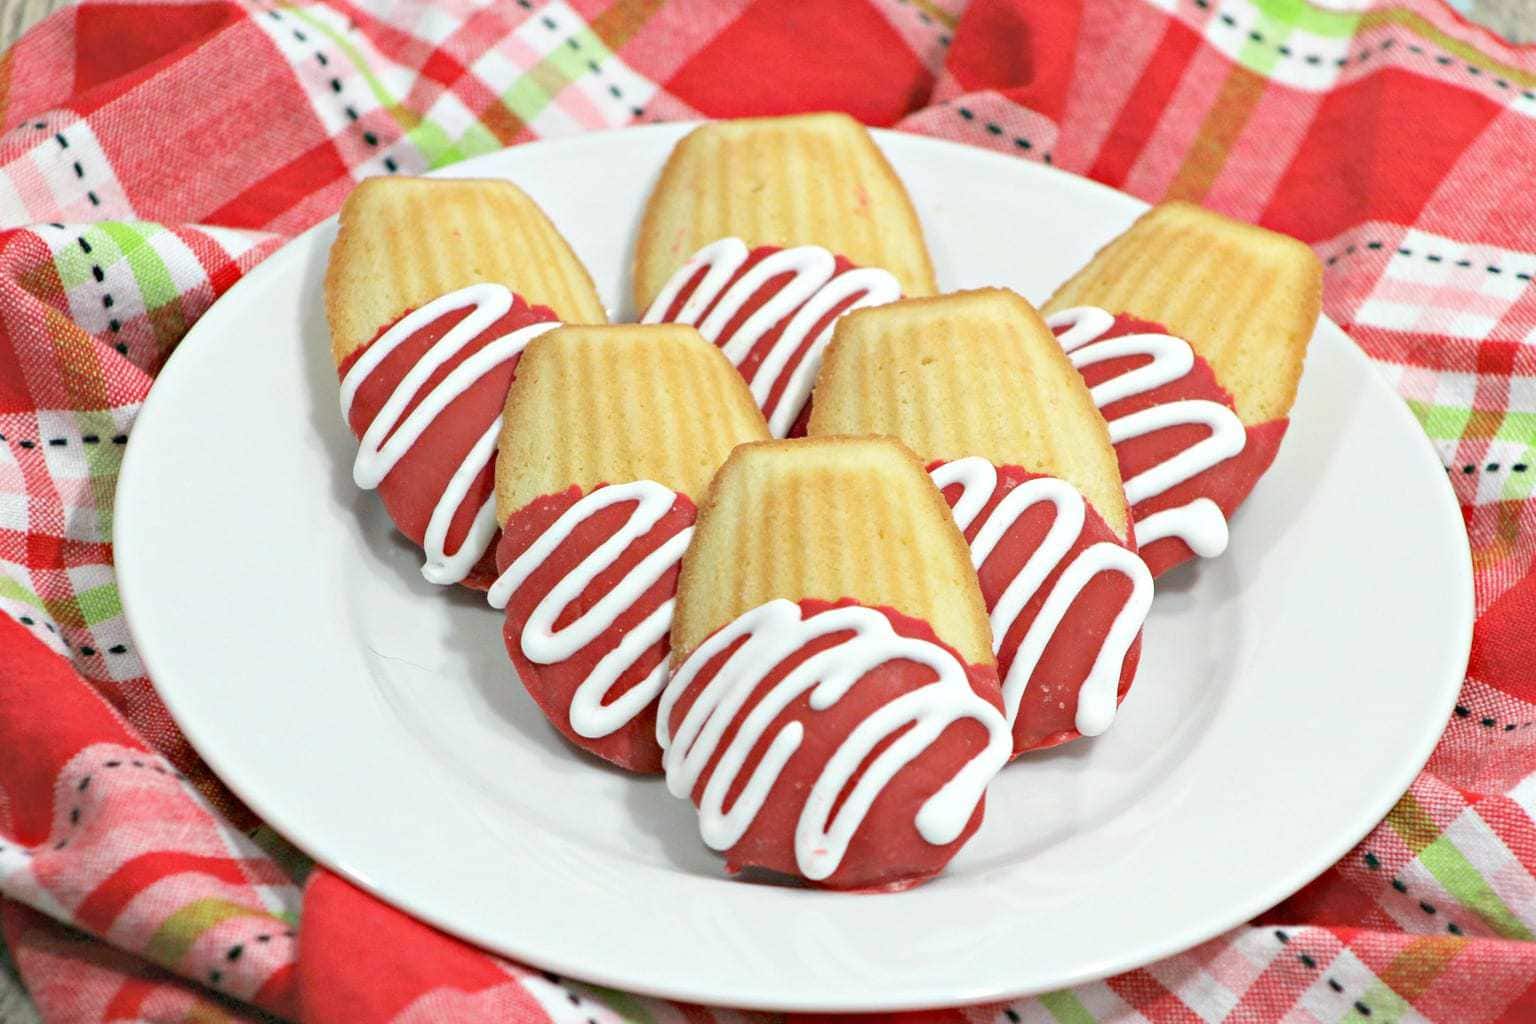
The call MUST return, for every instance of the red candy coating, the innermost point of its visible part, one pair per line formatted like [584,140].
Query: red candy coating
[759,351]
[413,487]
[1227,483]
[886,852]
[632,746]
[1048,709]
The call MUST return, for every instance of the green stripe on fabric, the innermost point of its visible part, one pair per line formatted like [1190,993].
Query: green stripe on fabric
[73,265]
[103,459]
[1466,884]
[1304,16]
[15,591]
[99,603]
[1517,426]
[1442,422]
[179,931]
[529,95]
[477,139]
[149,270]
[1385,1006]
[572,60]
[423,134]
[1066,1007]
[622,1003]
[1262,57]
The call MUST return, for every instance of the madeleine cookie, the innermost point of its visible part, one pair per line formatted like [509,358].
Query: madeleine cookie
[1191,329]
[761,232]
[978,387]
[833,675]
[433,288]
[609,436]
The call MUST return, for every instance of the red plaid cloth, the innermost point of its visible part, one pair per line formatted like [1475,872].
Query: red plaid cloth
[153,152]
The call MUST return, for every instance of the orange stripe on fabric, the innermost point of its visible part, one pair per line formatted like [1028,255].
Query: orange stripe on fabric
[5,83]
[77,356]
[619,23]
[1413,970]
[1223,123]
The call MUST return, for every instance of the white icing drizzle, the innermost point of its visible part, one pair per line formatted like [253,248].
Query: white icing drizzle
[590,713]
[773,632]
[978,480]
[1199,524]
[377,456]
[807,297]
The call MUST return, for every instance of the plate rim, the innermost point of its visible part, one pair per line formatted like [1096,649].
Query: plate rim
[958,992]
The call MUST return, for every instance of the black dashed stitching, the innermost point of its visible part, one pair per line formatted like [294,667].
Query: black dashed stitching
[1432,257]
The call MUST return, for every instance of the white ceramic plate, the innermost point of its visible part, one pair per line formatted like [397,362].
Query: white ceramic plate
[1288,691]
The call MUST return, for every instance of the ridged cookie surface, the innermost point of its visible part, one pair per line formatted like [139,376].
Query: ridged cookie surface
[405,241]
[810,179]
[1245,298]
[829,518]
[971,373]
[594,405]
